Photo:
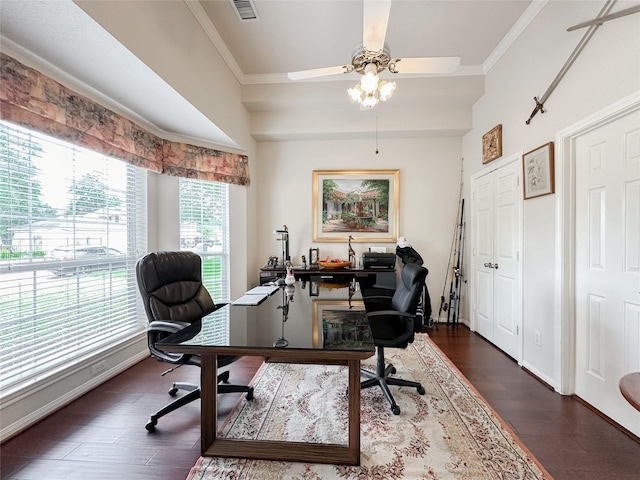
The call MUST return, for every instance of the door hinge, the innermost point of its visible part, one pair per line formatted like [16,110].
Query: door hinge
[517,329]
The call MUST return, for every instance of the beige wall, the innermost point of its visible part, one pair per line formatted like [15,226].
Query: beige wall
[606,71]
[429,163]
[429,189]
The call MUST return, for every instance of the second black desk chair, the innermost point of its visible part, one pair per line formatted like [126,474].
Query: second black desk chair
[391,319]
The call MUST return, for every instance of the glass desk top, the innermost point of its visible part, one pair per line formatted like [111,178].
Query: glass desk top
[303,316]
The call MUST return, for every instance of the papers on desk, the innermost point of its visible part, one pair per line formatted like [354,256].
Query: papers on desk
[250,299]
[256,295]
[263,290]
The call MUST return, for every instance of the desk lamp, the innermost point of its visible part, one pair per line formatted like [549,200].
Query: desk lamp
[284,238]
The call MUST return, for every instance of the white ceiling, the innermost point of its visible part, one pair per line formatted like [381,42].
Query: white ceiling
[290,35]
[293,35]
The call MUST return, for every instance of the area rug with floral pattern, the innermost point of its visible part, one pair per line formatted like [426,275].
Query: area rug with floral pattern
[448,433]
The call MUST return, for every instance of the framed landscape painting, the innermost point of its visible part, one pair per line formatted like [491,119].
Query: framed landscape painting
[362,204]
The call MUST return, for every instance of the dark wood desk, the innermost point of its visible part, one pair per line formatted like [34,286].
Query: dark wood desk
[253,331]
[630,389]
[368,276]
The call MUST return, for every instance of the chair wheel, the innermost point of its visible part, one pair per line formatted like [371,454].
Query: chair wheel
[421,390]
[393,370]
[249,395]
[396,410]
[151,424]
[173,392]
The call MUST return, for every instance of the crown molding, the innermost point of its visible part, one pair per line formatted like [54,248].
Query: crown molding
[523,22]
[211,32]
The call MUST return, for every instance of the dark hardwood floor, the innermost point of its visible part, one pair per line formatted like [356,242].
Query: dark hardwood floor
[102,435]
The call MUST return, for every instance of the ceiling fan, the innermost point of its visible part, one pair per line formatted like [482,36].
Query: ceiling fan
[373,57]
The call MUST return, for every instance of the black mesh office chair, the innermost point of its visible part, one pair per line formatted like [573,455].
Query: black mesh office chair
[170,284]
[391,318]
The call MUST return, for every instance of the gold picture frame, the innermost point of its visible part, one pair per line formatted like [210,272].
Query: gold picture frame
[363,204]
[538,171]
[492,144]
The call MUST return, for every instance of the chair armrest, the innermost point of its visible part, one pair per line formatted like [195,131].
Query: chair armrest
[166,326]
[160,329]
[388,313]
[378,297]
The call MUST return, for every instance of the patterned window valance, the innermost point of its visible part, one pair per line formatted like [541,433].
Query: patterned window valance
[31,99]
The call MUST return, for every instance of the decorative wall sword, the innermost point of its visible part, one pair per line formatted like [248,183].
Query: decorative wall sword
[592,25]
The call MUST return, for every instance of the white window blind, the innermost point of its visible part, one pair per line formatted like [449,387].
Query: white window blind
[204,229]
[71,225]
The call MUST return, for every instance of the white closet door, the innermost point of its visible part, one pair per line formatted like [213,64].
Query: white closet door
[507,309]
[483,256]
[497,302]
[608,265]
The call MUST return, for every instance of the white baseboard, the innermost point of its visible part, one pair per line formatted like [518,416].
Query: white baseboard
[50,405]
[545,378]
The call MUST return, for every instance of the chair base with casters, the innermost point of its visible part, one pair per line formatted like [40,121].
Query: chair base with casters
[392,322]
[194,394]
[381,377]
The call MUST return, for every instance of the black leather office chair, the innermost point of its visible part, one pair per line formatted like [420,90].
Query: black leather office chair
[391,318]
[170,284]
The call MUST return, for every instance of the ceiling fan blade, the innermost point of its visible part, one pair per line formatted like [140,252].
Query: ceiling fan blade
[374,25]
[317,72]
[425,65]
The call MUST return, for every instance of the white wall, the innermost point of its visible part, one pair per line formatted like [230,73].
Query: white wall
[606,71]
[155,45]
[429,189]
[175,46]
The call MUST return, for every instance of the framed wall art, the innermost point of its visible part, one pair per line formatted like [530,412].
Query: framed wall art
[362,204]
[538,173]
[492,144]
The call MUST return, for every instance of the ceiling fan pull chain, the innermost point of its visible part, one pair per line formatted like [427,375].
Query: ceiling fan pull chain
[376,134]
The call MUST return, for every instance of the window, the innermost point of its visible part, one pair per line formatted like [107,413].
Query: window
[72,223]
[204,228]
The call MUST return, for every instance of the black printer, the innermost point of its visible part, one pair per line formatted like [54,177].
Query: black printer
[379,260]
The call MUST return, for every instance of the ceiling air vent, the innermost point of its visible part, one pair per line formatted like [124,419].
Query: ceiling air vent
[246,10]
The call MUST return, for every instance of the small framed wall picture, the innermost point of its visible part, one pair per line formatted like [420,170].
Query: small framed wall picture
[537,169]
[314,258]
[492,144]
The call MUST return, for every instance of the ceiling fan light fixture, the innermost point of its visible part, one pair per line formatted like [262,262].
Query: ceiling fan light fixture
[370,89]
[369,82]
[355,93]
[386,89]
[369,101]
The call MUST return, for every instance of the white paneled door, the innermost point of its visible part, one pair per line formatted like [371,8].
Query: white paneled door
[496,236]
[607,263]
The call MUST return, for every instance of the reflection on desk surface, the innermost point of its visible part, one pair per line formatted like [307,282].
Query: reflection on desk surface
[291,318]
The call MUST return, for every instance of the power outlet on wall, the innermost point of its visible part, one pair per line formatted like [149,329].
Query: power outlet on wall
[537,338]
